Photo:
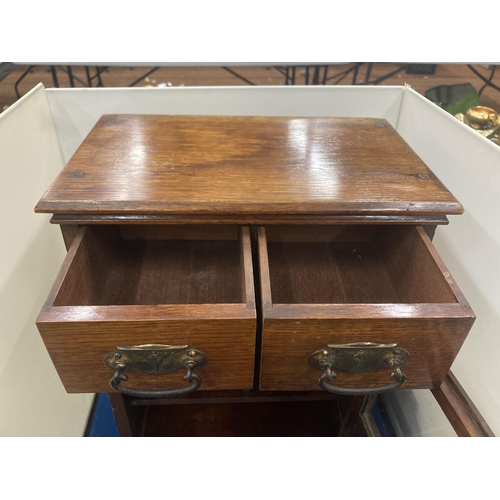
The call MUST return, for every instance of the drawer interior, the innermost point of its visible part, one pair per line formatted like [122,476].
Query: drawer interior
[353,265]
[149,266]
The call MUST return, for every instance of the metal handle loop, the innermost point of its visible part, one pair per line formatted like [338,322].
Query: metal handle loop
[155,359]
[119,377]
[365,391]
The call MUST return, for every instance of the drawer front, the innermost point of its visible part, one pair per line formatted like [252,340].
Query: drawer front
[327,290]
[114,291]
[78,346]
[289,343]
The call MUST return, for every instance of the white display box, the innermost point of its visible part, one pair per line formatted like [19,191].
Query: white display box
[41,131]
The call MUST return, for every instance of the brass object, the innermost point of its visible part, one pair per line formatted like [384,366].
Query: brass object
[483,120]
[359,357]
[155,359]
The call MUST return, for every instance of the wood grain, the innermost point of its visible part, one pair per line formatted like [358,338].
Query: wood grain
[120,414]
[107,295]
[78,345]
[335,298]
[350,264]
[111,271]
[213,165]
[179,232]
[460,410]
[432,343]
[246,265]
[164,261]
[328,273]
[69,233]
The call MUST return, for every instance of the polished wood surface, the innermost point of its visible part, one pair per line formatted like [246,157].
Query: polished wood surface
[109,294]
[340,291]
[212,165]
[460,410]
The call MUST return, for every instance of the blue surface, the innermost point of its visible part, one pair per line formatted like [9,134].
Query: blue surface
[103,421]
[380,420]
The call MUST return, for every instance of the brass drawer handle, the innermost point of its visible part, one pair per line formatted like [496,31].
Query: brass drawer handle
[155,359]
[119,377]
[359,357]
[365,391]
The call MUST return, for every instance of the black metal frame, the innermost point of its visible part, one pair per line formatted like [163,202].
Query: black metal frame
[290,73]
[315,74]
[20,79]
[68,70]
[368,74]
[487,81]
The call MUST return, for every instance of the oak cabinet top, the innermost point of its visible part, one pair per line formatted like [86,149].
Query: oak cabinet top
[235,165]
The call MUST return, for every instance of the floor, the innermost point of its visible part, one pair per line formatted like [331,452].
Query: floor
[445,74]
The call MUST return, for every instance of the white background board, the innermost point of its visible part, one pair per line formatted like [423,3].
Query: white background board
[469,165]
[33,400]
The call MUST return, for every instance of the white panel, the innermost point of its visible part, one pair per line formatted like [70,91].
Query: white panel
[75,111]
[416,414]
[469,165]
[34,402]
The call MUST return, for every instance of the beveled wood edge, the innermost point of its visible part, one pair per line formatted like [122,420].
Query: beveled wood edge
[265,280]
[368,311]
[142,314]
[194,208]
[459,409]
[255,219]
[65,267]
[247,268]
[444,270]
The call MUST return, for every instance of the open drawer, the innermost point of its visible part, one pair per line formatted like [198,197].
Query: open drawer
[165,306]
[357,309]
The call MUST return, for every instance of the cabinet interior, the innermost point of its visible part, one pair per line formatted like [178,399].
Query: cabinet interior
[154,265]
[353,265]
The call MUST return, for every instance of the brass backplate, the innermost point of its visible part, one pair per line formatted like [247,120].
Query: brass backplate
[359,357]
[155,359]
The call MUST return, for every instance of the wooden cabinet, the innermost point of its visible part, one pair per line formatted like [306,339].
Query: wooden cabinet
[257,241]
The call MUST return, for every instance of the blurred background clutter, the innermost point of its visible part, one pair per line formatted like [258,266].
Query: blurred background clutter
[483,80]
[471,92]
